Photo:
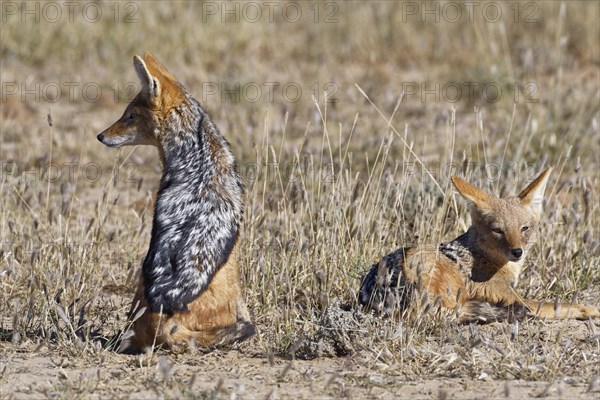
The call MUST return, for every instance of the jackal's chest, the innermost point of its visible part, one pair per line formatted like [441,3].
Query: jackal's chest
[495,287]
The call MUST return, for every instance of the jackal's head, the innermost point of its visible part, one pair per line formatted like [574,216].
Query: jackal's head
[504,227]
[143,118]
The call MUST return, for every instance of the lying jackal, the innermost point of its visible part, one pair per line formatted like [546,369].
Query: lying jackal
[189,288]
[476,272]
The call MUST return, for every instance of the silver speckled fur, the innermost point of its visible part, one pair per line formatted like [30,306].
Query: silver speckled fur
[198,210]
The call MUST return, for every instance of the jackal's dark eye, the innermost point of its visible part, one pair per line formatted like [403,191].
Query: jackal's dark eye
[498,231]
[131,116]
[524,228]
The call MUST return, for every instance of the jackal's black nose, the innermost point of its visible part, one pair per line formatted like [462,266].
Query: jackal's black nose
[100,137]
[517,253]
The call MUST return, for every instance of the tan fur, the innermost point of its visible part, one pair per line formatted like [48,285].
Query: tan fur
[441,280]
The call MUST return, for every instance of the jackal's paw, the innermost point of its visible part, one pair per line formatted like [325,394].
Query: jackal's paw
[585,312]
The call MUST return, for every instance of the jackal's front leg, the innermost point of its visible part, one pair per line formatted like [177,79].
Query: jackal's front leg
[555,310]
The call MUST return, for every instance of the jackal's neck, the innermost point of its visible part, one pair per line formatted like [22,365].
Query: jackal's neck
[191,148]
[468,251]
[198,164]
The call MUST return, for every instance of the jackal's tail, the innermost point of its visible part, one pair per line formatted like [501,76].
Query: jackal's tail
[482,312]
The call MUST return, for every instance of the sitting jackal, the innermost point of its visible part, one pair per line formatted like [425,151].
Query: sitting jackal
[189,287]
[475,273]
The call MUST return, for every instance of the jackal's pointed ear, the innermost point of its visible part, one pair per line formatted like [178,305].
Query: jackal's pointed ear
[533,194]
[150,84]
[475,196]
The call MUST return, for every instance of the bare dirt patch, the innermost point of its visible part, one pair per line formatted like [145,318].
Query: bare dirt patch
[486,366]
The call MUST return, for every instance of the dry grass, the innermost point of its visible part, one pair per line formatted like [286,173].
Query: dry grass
[331,187]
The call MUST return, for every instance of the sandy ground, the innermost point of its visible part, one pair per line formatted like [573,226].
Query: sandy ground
[30,371]
[233,375]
